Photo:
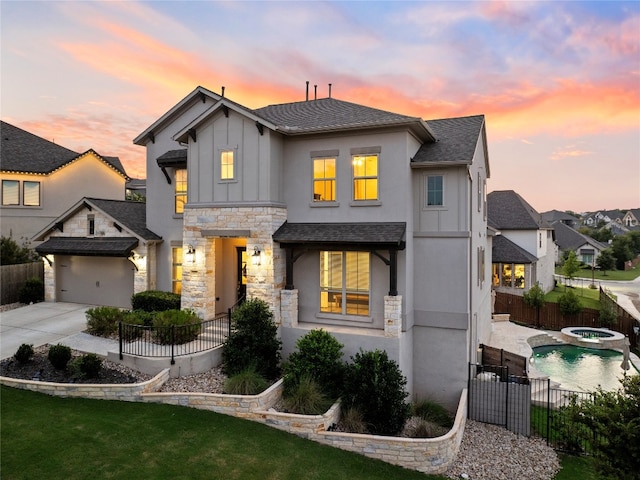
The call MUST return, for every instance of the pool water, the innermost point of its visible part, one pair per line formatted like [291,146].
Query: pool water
[579,368]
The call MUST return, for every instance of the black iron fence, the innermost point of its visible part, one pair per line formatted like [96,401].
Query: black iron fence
[528,406]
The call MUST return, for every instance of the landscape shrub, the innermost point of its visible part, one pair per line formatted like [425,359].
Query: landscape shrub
[569,303]
[433,412]
[352,420]
[253,341]
[88,365]
[375,385]
[318,356]
[59,356]
[608,314]
[155,301]
[420,428]
[32,291]
[306,398]
[24,353]
[177,326]
[246,382]
[103,321]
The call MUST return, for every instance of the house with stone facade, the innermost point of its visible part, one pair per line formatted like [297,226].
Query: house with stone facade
[367,223]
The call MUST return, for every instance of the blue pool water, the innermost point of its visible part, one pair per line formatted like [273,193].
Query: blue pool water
[579,368]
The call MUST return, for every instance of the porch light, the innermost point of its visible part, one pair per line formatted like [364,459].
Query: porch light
[255,256]
[191,254]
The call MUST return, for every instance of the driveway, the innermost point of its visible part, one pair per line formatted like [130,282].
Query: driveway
[40,323]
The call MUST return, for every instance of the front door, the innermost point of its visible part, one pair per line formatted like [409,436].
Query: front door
[241,272]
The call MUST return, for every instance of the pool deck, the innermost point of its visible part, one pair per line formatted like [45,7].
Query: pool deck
[513,338]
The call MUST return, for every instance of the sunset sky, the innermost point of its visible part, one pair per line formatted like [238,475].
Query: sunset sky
[558,82]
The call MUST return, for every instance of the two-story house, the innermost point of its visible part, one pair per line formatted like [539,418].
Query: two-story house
[631,219]
[524,251]
[367,223]
[586,248]
[41,180]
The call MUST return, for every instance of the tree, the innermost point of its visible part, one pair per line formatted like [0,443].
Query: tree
[11,253]
[571,266]
[606,260]
[534,297]
[621,246]
[634,237]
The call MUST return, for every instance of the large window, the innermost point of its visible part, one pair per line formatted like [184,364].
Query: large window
[344,282]
[10,192]
[324,179]
[180,189]
[510,275]
[226,165]
[176,270]
[435,190]
[365,177]
[31,194]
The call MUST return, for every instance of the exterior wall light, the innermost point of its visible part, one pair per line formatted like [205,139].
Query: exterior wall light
[255,256]
[191,254]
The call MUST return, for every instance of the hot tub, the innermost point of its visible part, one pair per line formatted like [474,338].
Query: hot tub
[592,337]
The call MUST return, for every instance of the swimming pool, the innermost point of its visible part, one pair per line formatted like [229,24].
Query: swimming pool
[580,368]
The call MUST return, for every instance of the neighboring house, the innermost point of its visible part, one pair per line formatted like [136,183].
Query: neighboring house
[366,223]
[603,218]
[554,216]
[136,189]
[586,248]
[40,180]
[631,219]
[521,225]
[98,252]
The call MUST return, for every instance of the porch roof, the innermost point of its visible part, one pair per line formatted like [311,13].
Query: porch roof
[368,235]
[93,247]
[505,251]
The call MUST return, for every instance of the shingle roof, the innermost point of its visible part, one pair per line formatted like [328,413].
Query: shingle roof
[27,153]
[173,158]
[102,247]
[329,114]
[457,139]
[505,251]
[556,215]
[132,215]
[569,239]
[368,234]
[506,210]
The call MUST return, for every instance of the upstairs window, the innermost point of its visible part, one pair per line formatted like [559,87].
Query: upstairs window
[10,192]
[324,179]
[31,194]
[435,191]
[365,177]
[180,189]
[226,165]
[344,282]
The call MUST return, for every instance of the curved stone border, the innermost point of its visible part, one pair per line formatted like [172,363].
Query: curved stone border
[612,340]
[427,455]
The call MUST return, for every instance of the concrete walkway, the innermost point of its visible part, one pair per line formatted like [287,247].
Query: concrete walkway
[49,322]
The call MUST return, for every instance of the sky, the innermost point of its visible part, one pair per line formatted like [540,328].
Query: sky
[558,82]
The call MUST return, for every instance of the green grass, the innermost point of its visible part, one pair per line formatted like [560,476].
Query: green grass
[575,468]
[589,298]
[59,438]
[620,275]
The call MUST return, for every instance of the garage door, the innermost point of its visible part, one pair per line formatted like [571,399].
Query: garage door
[94,280]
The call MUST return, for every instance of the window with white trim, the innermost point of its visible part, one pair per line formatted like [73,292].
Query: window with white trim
[180,181]
[365,177]
[227,166]
[31,194]
[434,190]
[10,192]
[324,179]
[176,270]
[345,280]
[91,225]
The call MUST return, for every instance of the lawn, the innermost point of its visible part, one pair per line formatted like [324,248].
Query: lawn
[58,438]
[620,275]
[589,298]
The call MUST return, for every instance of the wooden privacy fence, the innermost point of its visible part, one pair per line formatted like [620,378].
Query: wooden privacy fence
[516,364]
[550,317]
[13,277]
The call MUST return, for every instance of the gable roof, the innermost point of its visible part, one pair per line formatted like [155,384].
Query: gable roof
[506,210]
[553,216]
[457,139]
[569,239]
[24,152]
[504,250]
[127,214]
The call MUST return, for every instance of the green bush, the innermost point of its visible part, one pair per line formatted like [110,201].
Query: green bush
[88,365]
[134,324]
[179,326]
[103,321]
[375,385]
[246,382]
[24,353]
[155,301]
[319,356]
[59,356]
[11,253]
[32,291]
[433,412]
[608,314]
[306,398]
[569,303]
[253,341]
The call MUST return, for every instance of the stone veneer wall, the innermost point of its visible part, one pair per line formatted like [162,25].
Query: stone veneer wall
[392,316]
[264,281]
[289,308]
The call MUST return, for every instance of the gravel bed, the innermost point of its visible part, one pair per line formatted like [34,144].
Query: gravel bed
[211,381]
[494,453]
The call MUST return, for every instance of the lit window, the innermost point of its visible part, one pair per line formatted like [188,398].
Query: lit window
[31,194]
[10,192]
[435,192]
[324,179]
[181,189]
[226,165]
[365,177]
[344,282]
[176,270]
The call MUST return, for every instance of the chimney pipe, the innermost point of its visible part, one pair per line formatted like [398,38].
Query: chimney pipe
[315,92]
[223,90]
[329,90]
[307,90]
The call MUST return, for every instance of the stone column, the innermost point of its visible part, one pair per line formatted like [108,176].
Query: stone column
[49,282]
[392,316]
[289,308]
